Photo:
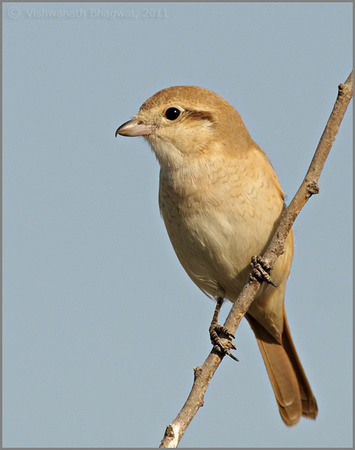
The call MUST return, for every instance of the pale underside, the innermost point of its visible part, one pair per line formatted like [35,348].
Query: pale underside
[206,235]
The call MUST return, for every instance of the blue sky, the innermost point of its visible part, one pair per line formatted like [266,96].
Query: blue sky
[101,325]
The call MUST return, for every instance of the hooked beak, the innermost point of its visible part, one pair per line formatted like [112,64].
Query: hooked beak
[134,128]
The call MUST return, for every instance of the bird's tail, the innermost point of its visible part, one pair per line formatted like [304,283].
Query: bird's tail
[292,390]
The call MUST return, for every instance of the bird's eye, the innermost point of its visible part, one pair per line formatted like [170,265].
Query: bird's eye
[172,113]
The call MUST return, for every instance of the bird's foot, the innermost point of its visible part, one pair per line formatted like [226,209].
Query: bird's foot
[221,338]
[260,270]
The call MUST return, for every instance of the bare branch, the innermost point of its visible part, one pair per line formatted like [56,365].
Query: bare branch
[309,186]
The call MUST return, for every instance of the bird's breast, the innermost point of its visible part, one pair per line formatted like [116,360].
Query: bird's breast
[216,222]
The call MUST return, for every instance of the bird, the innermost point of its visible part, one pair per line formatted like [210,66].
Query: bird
[221,202]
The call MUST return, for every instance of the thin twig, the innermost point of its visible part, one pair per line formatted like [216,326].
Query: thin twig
[309,186]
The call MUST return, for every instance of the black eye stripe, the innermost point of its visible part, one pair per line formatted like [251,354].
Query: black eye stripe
[173,113]
[201,115]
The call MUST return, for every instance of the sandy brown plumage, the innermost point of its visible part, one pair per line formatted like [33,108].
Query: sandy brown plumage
[221,201]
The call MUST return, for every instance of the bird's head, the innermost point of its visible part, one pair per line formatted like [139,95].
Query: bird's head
[186,122]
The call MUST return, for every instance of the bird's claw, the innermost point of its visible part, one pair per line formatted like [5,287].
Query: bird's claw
[221,340]
[260,270]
